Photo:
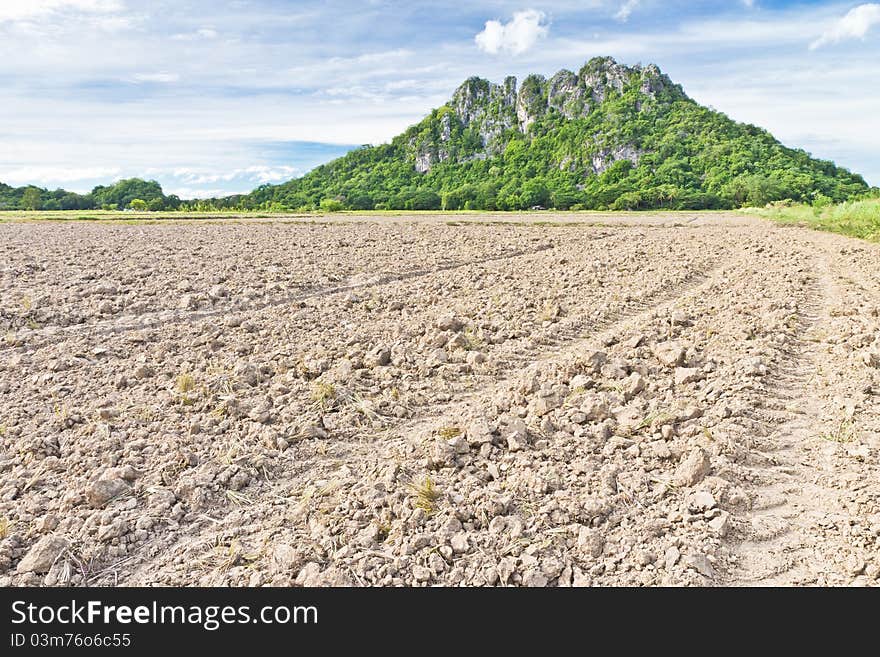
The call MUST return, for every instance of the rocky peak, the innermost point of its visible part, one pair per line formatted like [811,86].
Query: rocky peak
[571,94]
[470,99]
[565,95]
[475,98]
[490,109]
[531,101]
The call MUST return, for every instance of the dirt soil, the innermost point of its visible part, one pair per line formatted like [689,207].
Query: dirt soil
[660,400]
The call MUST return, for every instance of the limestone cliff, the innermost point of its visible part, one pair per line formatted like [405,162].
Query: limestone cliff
[490,111]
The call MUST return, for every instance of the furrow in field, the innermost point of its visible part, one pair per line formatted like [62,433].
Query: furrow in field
[765,538]
[166,317]
[815,491]
[359,450]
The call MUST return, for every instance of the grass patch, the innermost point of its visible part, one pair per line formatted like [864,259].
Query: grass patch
[654,418]
[859,219]
[426,495]
[844,433]
[323,394]
[551,312]
[383,531]
[364,407]
[472,341]
[185,383]
[60,409]
[529,218]
[448,433]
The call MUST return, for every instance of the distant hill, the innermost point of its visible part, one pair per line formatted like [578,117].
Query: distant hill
[607,137]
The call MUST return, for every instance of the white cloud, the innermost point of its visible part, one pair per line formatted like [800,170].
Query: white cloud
[17,10]
[749,3]
[264,174]
[258,173]
[626,9]
[514,37]
[113,23]
[855,25]
[203,33]
[38,175]
[162,77]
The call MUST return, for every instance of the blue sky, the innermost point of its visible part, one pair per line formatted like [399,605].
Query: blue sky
[215,97]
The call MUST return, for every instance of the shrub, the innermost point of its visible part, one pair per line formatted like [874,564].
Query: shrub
[331,205]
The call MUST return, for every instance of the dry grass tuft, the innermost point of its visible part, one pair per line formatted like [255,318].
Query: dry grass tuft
[184,383]
[426,495]
[448,433]
[844,433]
[323,394]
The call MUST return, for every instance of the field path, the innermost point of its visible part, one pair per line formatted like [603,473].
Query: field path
[812,469]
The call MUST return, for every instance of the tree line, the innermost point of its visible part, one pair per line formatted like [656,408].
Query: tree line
[131,193]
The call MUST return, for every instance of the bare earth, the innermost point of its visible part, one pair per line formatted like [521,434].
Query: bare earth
[656,400]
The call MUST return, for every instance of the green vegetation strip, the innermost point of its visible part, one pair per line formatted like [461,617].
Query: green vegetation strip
[857,219]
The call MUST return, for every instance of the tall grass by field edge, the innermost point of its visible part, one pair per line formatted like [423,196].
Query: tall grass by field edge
[857,218]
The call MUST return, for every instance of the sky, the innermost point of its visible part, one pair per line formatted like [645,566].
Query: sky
[218,97]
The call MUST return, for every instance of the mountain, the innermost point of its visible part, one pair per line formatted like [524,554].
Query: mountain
[607,137]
